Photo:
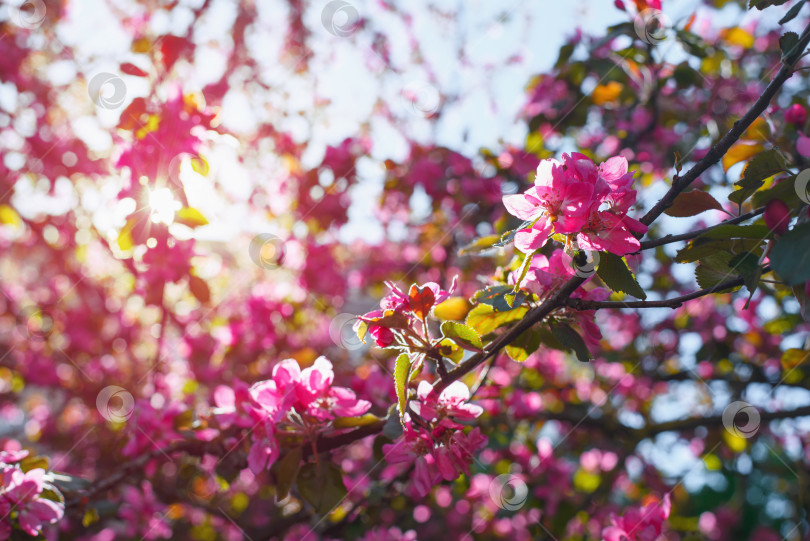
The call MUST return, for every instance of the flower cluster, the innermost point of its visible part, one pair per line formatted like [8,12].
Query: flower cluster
[581,201]
[298,401]
[144,515]
[399,312]
[435,442]
[21,497]
[644,524]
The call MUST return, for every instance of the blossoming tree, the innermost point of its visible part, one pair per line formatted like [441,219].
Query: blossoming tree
[594,331]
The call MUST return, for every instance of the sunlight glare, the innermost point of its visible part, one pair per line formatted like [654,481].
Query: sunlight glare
[163,205]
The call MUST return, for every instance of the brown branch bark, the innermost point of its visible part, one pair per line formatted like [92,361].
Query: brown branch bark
[579,304]
[669,239]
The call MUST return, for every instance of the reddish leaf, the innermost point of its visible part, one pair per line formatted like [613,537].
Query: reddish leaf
[133,116]
[132,69]
[692,203]
[199,289]
[421,300]
[172,48]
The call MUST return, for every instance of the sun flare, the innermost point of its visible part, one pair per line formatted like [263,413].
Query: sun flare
[163,205]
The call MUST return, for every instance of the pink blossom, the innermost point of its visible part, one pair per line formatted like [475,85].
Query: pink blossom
[578,199]
[389,534]
[803,145]
[644,524]
[451,402]
[777,216]
[396,312]
[307,395]
[796,114]
[383,336]
[446,451]
[21,492]
[144,514]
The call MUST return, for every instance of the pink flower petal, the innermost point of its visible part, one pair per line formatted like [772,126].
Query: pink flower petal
[530,239]
[520,207]
[803,145]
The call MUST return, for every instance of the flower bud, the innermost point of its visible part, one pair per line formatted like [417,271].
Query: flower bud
[777,216]
[383,336]
[796,114]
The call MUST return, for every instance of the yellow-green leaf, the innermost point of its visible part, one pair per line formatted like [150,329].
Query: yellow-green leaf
[9,216]
[351,422]
[462,335]
[199,165]
[401,372]
[740,152]
[484,319]
[191,217]
[454,308]
[125,241]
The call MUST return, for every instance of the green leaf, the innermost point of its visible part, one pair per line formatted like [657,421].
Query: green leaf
[792,12]
[52,492]
[353,422]
[524,268]
[450,350]
[502,298]
[762,4]
[762,166]
[287,472]
[789,44]
[565,54]
[480,245]
[462,335]
[33,462]
[361,328]
[68,482]
[523,346]
[617,276]
[686,76]
[322,486]
[392,429]
[784,191]
[701,248]
[484,319]
[692,203]
[509,236]
[90,517]
[692,43]
[747,266]
[570,339]
[804,305]
[790,256]
[713,270]
[401,372]
[731,231]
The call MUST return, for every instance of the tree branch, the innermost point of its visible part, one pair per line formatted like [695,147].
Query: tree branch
[579,304]
[533,316]
[668,239]
[694,422]
[719,150]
